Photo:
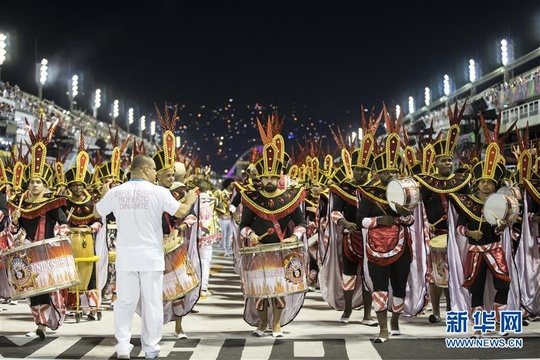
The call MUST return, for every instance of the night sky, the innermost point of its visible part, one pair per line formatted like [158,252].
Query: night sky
[227,62]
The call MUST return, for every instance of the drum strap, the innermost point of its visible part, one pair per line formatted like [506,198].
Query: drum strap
[277,227]
[40,230]
[168,221]
[444,201]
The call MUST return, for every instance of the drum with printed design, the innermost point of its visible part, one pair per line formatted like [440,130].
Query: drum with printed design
[41,267]
[179,277]
[439,260]
[82,241]
[274,270]
[404,192]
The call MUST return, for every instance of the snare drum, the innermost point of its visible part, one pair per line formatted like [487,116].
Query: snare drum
[274,270]
[179,277]
[404,192]
[439,260]
[510,190]
[41,267]
[82,242]
[500,207]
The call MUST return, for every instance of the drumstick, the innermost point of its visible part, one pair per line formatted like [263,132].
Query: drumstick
[406,208]
[480,224]
[444,217]
[25,194]
[270,231]
[70,213]
[499,220]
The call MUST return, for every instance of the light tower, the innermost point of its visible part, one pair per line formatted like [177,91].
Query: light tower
[97,101]
[446,85]
[152,130]
[43,73]
[116,111]
[427,96]
[472,71]
[130,118]
[3,51]
[411,105]
[74,91]
[142,126]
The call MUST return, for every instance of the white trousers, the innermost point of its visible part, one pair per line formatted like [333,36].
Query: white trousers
[205,252]
[132,287]
[226,233]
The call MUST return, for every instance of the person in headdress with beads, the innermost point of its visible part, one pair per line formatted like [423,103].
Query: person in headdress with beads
[80,210]
[484,242]
[435,189]
[172,226]
[5,287]
[12,187]
[344,233]
[12,177]
[528,248]
[387,241]
[40,216]
[278,210]
[316,210]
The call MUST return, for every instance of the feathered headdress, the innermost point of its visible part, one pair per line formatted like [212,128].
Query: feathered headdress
[273,127]
[274,158]
[59,166]
[79,172]
[112,167]
[38,166]
[493,165]
[418,161]
[165,157]
[524,157]
[447,146]
[490,168]
[275,161]
[389,155]
[363,156]
[16,175]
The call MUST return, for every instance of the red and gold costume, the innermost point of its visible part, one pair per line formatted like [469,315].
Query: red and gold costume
[40,219]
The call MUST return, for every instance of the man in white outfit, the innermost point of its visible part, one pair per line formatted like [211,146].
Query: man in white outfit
[138,206]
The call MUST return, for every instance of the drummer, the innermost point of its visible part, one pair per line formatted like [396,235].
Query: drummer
[110,173]
[316,215]
[172,226]
[485,250]
[531,285]
[387,241]
[80,212]
[435,191]
[35,216]
[271,208]
[344,200]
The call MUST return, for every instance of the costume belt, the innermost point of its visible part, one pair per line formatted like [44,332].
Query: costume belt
[484,248]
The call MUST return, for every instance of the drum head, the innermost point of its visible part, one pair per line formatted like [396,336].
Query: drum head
[495,208]
[439,242]
[395,194]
